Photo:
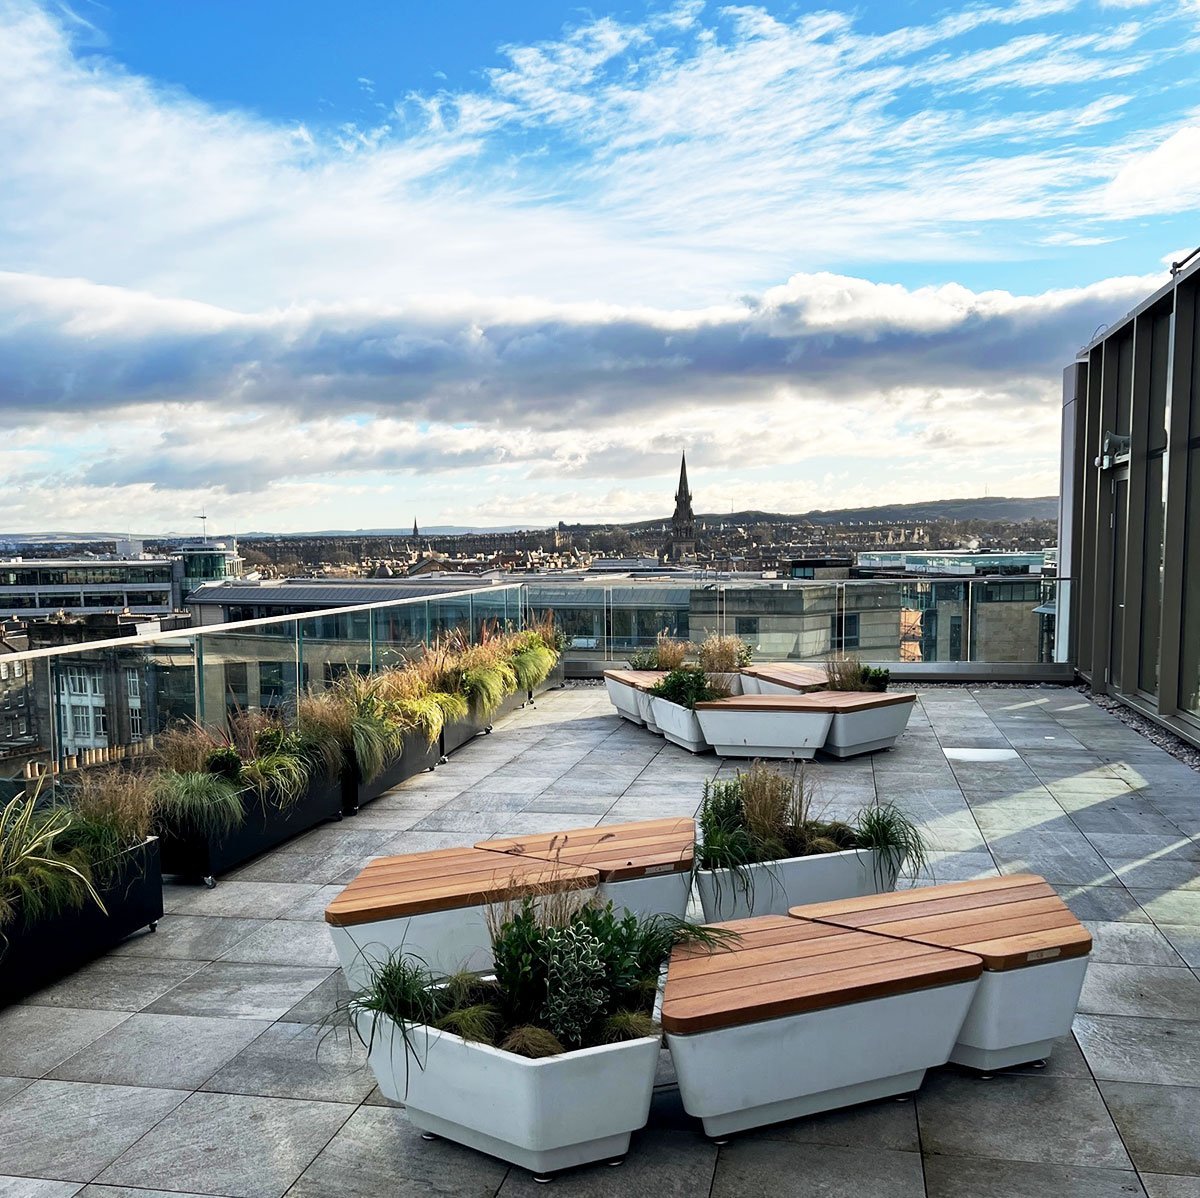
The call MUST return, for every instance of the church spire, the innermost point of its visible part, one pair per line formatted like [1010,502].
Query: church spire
[683,494]
[415,532]
[683,522]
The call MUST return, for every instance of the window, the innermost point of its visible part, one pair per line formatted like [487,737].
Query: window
[3,669]
[746,626]
[844,630]
[135,723]
[802,572]
[18,669]
[133,684]
[100,721]
[77,680]
[81,722]
[956,638]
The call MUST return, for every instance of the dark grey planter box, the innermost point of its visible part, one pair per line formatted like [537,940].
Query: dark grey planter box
[38,953]
[191,853]
[417,755]
[552,681]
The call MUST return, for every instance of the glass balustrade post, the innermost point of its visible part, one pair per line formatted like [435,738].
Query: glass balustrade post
[198,679]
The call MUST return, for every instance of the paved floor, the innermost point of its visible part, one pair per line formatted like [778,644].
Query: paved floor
[189,1061]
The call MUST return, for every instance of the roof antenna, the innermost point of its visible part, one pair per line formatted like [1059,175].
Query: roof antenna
[203,527]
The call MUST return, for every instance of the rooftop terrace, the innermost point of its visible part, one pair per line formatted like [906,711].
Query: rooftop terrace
[187,1061]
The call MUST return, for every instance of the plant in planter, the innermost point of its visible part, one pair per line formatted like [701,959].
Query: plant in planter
[762,847]
[851,674]
[644,659]
[76,875]
[723,654]
[531,658]
[550,1063]
[222,798]
[413,705]
[669,653]
[673,701]
[40,875]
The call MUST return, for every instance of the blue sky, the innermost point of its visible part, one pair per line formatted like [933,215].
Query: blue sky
[307,265]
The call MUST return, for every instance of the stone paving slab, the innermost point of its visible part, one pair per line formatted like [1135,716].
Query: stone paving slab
[193,1061]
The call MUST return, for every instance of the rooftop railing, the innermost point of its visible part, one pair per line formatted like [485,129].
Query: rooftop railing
[105,701]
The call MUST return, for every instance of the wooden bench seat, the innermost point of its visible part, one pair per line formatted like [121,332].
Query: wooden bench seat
[641,680]
[644,867]
[1008,922]
[796,1017]
[617,852]
[1034,953]
[770,677]
[433,906]
[419,883]
[779,969]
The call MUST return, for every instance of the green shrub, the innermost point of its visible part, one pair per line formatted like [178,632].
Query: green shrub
[566,977]
[688,686]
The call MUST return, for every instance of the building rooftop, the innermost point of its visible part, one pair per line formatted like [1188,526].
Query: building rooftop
[192,1060]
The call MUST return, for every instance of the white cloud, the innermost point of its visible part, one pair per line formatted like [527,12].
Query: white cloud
[522,296]
[1164,179]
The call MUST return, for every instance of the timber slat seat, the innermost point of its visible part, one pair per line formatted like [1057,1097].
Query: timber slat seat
[1009,922]
[795,676]
[618,852]
[777,968]
[641,680]
[445,879]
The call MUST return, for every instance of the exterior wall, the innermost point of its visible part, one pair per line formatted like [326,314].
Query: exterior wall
[31,589]
[1131,509]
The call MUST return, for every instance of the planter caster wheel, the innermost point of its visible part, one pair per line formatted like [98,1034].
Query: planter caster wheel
[986,1077]
[210,882]
[902,1098]
[616,1160]
[428,1135]
[543,1179]
[720,1141]
[443,760]
[152,927]
[341,815]
[1037,1064]
[430,768]
[488,730]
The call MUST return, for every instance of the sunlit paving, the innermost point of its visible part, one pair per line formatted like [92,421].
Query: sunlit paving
[602,597]
[208,1057]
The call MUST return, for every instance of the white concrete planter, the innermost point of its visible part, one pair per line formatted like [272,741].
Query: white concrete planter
[795,735]
[776,886]
[678,724]
[759,1073]
[625,699]
[654,894]
[1017,1014]
[446,941]
[854,732]
[645,706]
[544,1115]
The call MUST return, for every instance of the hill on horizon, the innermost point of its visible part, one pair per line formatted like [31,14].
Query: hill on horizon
[990,507]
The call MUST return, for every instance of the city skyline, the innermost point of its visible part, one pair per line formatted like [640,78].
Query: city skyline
[505,277]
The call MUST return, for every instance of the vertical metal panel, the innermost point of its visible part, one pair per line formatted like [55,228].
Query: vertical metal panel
[1179,394]
[1135,514]
[1105,413]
